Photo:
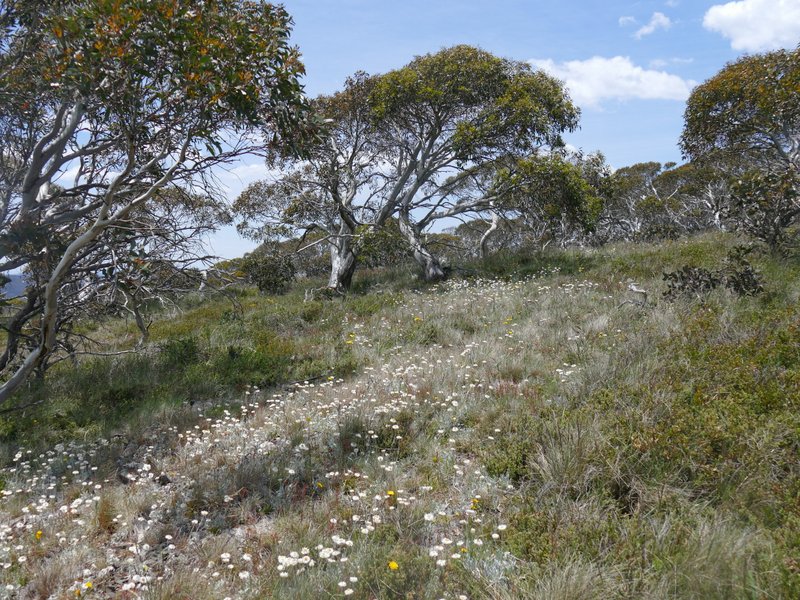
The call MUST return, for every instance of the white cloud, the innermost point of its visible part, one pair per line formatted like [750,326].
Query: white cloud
[672,3]
[592,81]
[234,179]
[657,21]
[756,25]
[660,63]
[625,21]
[571,149]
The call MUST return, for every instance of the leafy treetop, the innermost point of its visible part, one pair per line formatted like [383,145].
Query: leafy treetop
[468,102]
[751,106]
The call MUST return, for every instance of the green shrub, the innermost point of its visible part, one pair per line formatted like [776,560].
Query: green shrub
[180,352]
[243,366]
[690,281]
[271,273]
[738,275]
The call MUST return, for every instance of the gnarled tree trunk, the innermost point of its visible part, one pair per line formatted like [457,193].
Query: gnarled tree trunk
[483,248]
[431,266]
[343,264]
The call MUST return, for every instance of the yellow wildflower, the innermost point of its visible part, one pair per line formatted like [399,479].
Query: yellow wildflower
[393,565]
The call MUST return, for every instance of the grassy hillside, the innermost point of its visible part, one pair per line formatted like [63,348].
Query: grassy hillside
[528,432]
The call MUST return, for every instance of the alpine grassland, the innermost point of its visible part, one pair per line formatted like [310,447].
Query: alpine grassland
[532,427]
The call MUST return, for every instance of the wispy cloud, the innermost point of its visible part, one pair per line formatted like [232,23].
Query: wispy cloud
[756,25]
[233,180]
[660,63]
[625,21]
[657,21]
[597,79]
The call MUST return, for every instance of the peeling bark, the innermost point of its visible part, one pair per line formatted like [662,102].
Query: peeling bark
[483,247]
[431,267]
[343,266]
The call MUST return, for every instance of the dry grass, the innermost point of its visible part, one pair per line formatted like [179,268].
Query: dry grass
[530,437]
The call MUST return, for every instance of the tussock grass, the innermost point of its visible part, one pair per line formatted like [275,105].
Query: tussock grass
[532,434]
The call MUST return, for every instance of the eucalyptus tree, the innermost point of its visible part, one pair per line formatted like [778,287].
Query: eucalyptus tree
[145,261]
[556,197]
[546,197]
[749,113]
[335,188]
[448,122]
[751,107]
[105,104]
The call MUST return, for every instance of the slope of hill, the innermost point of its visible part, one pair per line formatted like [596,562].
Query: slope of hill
[541,434]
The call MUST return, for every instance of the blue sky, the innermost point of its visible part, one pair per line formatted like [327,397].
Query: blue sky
[629,65]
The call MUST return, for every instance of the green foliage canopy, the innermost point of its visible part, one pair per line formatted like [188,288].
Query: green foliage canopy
[747,119]
[466,104]
[551,187]
[751,106]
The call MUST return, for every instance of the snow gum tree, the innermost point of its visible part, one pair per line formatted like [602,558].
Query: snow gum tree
[335,188]
[446,118]
[749,113]
[553,197]
[103,104]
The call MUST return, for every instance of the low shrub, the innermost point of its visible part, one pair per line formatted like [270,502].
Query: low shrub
[737,275]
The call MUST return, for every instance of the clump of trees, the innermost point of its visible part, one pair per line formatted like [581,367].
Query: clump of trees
[742,139]
[449,134]
[461,134]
